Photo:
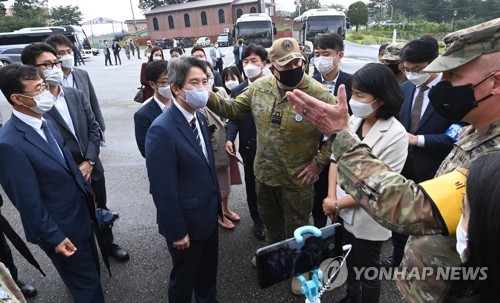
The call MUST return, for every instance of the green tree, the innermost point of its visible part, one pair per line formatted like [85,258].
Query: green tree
[306,5]
[358,14]
[66,15]
[146,5]
[26,13]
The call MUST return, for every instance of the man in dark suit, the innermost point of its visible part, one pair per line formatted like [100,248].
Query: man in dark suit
[199,52]
[76,122]
[328,52]
[183,182]
[75,77]
[156,73]
[40,177]
[238,50]
[429,143]
[254,62]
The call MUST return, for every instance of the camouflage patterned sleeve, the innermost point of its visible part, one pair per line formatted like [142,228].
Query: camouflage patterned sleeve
[393,201]
[230,108]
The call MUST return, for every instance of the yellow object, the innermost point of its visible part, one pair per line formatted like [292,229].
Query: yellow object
[447,193]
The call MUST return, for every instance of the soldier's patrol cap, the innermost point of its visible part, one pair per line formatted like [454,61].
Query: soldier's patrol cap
[393,51]
[284,50]
[467,44]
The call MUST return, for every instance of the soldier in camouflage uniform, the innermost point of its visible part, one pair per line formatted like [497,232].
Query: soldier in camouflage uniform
[287,161]
[469,91]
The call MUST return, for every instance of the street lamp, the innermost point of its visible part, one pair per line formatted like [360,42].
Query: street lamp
[455,13]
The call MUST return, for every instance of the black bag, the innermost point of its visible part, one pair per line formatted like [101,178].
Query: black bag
[139,96]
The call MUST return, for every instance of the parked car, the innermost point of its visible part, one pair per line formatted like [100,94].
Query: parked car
[11,53]
[184,41]
[203,42]
[164,43]
[225,39]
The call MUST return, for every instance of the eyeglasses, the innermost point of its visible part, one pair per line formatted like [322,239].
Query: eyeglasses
[162,83]
[49,65]
[42,88]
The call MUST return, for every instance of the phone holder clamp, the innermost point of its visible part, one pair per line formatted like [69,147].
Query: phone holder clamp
[312,287]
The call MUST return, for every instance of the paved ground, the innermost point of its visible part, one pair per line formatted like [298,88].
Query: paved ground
[144,278]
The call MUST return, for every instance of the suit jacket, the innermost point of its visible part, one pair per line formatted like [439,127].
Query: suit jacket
[236,52]
[213,55]
[83,83]
[143,118]
[244,126]
[432,126]
[87,142]
[50,197]
[388,141]
[183,183]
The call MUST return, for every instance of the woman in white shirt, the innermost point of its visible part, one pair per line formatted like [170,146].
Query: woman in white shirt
[376,100]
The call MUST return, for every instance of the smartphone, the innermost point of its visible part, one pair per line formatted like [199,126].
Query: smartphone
[286,259]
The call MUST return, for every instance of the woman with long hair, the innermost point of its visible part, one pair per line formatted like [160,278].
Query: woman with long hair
[156,54]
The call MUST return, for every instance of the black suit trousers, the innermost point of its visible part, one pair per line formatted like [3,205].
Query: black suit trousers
[248,155]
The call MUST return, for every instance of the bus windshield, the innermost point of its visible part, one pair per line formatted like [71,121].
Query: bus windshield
[258,32]
[324,24]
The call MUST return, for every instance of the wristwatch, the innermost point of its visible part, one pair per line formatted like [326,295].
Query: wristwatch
[91,162]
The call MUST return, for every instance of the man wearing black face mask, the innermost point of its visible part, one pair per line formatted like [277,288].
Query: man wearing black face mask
[287,161]
[392,58]
[470,92]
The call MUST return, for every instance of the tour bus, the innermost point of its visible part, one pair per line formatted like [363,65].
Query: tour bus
[255,28]
[319,21]
[38,34]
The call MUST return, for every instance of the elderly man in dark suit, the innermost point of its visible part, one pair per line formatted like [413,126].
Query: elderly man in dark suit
[157,75]
[46,186]
[328,52]
[76,122]
[183,182]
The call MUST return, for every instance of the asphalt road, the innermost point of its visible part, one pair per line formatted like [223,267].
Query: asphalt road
[144,277]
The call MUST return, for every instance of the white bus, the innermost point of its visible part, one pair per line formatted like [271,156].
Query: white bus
[255,28]
[319,21]
[38,34]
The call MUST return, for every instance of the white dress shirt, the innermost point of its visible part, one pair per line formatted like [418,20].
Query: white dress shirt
[425,103]
[62,107]
[190,117]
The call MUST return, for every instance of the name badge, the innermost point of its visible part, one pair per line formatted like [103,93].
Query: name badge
[276,118]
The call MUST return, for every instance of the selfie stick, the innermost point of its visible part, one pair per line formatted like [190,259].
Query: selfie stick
[312,287]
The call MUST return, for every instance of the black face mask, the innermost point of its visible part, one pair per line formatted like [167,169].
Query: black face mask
[394,68]
[291,77]
[454,102]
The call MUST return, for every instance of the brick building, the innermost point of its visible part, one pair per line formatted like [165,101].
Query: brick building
[201,18]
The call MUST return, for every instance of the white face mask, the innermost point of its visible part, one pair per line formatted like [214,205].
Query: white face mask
[53,76]
[67,61]
[416,78]
[44,102]
[211,82]
[165,92]
[232,84]
[324,64]
[157,58]
[360,109]
[196,98]
[252,71]
[462,240]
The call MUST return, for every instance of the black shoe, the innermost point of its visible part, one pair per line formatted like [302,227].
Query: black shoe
[26,289]
[390,262]
[118,253]
[260,231]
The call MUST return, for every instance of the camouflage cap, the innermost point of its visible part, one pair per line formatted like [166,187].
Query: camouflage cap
[393,51]
[466,45]
[285,50]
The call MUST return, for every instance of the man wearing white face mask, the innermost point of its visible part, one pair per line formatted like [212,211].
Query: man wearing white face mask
[429,142]
[76,77]
[183,183]
[75,120]
[156,73]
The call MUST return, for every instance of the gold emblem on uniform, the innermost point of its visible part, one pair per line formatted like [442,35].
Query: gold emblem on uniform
[287,46]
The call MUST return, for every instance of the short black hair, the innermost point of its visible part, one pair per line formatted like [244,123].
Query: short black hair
[229,71]
[329,41]
[424,49]
[379,80]
[34,50]
[240,36]
[155,69]
[197,48]
[55,40]
[176,49]
[12,77]
[178,68]
[382,47]
[254,49]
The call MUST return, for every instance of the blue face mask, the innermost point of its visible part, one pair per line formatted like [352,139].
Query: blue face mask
[196,98]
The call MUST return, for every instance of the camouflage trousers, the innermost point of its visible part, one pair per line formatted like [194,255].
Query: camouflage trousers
[283,209]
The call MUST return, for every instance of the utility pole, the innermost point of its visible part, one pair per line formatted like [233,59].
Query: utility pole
[133,17]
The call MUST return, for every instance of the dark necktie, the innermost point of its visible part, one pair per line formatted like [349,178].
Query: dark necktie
[52,143]
[195,132]
[417,109]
